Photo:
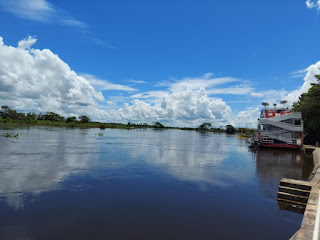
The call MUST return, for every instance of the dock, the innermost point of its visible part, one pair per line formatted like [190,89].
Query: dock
[298,192]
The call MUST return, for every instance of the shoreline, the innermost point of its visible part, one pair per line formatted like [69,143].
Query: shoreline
[310,225]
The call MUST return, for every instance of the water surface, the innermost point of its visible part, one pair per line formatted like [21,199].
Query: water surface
[59,183]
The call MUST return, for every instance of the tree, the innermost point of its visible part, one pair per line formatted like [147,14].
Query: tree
[309,106]
[205,126]
[53,117]
[71,119]
[230,129]
[158,125]
[31,116]
[7,112]
[84,119]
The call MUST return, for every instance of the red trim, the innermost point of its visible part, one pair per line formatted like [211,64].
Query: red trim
[284,112]
[281,145]
[270,114]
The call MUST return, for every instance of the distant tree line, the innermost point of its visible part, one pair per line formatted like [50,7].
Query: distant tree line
[11,116]
[229,129]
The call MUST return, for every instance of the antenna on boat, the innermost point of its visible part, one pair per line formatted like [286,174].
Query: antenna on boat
[283,102]
[265,104]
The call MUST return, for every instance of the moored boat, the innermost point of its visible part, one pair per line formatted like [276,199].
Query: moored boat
[280,127]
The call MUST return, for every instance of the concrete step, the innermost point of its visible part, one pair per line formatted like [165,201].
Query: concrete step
[294,191]
[297,184]
[292,197]
[291,202]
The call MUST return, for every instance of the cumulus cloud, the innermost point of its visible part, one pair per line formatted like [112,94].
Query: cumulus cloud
[247,118]
[309,78]
[183,108]
[27,43]
[38,80]
[274,96]
[313,4]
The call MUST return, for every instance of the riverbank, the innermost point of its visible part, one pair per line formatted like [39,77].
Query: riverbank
[310,226]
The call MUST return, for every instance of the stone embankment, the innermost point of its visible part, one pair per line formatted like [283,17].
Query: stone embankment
[311,222]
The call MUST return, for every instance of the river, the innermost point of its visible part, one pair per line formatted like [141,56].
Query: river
[64,183]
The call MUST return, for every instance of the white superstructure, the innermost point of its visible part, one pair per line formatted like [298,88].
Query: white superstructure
[280,127]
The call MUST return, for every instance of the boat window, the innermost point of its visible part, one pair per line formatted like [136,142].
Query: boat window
[297,122]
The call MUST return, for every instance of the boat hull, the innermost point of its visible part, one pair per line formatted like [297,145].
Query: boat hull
[275,145]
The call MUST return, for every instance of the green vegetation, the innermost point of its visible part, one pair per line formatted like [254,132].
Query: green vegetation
[158,125]
[10,117]
[230,129]
[12,135]
[205,126]
[309,106]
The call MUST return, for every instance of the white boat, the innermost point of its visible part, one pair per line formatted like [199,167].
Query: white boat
[280,127]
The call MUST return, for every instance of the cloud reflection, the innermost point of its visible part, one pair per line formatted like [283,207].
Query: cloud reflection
[194,156]
[40,161]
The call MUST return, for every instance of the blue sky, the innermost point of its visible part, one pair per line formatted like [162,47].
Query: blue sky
[179,62]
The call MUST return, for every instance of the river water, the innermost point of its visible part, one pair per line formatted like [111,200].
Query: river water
[60,183]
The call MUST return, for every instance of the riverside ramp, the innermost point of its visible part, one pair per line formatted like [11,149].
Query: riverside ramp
[310,225]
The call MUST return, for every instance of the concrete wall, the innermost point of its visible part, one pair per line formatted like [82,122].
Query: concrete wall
[309,218]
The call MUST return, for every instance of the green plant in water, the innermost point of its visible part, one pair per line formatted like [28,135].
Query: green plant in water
[100,134]
[12,135]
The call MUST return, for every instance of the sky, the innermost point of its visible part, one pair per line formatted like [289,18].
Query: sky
[181,63]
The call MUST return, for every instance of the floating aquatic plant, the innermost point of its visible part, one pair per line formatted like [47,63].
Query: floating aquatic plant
[12,135]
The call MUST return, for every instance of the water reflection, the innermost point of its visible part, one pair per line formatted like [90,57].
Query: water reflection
[274,164]
[40,161]
[196,157]
[140,184]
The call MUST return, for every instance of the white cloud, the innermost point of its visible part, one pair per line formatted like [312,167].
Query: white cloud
[27,43]
[274,96]
[210,84]
[313,4]
[270,95]
[37,10]
[206,81]
[151,96]
[106,85]
[308,79]
[71,22]
[137,81]
[299,73]
[38,80]
[111,103]
[231,90]
[181,108]
[247,118]
[41,11]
